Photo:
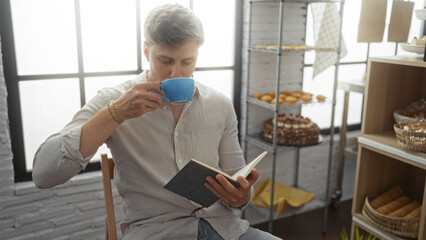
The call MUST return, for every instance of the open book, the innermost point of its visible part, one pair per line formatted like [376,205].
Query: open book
[189,181]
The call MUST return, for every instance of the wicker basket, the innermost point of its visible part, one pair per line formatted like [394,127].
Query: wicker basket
[404,227]
[410,140]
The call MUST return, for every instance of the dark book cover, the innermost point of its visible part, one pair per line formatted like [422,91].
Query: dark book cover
[189,183]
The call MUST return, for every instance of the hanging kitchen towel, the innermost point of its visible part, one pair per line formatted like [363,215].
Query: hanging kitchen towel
[372,21]
[326,19]
[285,197]
[400,21]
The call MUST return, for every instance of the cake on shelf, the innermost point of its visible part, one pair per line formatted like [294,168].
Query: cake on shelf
[291,130]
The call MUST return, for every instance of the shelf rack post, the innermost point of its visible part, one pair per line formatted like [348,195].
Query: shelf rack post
[330,151]
[276,111]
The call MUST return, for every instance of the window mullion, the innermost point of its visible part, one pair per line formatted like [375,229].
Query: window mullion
[138,35]
[80,52]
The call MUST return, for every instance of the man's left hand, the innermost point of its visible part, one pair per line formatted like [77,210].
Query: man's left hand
[234,196]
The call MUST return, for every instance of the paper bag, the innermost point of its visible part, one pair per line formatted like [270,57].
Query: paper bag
[285,198]
[372,21]
[400,21]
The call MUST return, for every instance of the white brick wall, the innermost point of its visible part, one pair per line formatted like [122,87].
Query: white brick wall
[74,210]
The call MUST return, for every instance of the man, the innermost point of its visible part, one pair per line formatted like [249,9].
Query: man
[157,140]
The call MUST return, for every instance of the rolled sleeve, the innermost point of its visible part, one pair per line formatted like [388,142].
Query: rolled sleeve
[69,147]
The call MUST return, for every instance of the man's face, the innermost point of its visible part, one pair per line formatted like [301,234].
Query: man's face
[171,62]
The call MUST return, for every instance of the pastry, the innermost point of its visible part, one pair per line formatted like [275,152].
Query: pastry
[280,101]
[386,197]
[415,213]
[266,98]
[272,94]
[286,92]
[290,100]
[321,98]
[300,91]
[408,208]
[296,95]
[306,98]
[257,95]
[394,205]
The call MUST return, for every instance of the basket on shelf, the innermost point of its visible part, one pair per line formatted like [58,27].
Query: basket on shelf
[409,139]
[401,226]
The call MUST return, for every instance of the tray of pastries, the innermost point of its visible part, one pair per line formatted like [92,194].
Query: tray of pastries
[289,97]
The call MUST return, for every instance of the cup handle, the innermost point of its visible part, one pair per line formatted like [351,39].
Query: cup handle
[168,100]
[165,98]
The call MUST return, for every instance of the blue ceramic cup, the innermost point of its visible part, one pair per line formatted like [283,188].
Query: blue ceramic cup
[178,90]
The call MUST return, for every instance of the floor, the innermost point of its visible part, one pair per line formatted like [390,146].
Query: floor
[309,225]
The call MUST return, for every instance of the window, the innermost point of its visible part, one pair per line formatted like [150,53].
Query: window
[352,66]
[61,52]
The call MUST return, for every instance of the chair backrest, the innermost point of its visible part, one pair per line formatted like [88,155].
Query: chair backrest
[107,166]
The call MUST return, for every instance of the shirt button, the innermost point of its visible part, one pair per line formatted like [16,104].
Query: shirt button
[180,161]
[164,107]
[176,134]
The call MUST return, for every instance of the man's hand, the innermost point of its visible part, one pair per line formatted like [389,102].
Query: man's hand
[138,100]
[234,196]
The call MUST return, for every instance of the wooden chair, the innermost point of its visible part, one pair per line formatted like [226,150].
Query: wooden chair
[107,166]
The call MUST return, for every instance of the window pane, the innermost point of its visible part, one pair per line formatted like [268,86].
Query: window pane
[352,72]
[45,36]
[223,81]
[109,35]
[356,51]
[47,106]
[94,84]
[146,7]
[218,18]
[322,84]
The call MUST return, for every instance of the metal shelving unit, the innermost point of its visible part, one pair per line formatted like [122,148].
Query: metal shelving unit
[273,147]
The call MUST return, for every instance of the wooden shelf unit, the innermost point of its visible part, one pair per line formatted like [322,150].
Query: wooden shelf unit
[392,84]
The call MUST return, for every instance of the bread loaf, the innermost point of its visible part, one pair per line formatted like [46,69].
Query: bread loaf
[394,205]
[387,197]
[415,213]
[408,208]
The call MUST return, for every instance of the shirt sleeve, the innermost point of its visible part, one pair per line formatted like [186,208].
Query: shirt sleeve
[58,159]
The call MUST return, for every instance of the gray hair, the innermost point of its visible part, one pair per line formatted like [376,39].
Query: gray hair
[172,25]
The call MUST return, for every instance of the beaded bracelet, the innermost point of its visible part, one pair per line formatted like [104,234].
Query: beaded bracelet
[114,114]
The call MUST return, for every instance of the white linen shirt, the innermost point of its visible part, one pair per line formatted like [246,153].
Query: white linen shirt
[148,151]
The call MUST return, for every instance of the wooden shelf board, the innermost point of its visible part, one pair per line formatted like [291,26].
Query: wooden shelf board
[373,228]
[284,106]
[386,143]
[401,60]
[256,140]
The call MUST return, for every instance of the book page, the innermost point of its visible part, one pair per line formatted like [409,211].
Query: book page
[245,171]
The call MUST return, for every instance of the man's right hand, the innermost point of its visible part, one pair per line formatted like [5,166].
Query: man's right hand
[139,100]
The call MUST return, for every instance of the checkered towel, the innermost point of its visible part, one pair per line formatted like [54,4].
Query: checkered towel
[326,31]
